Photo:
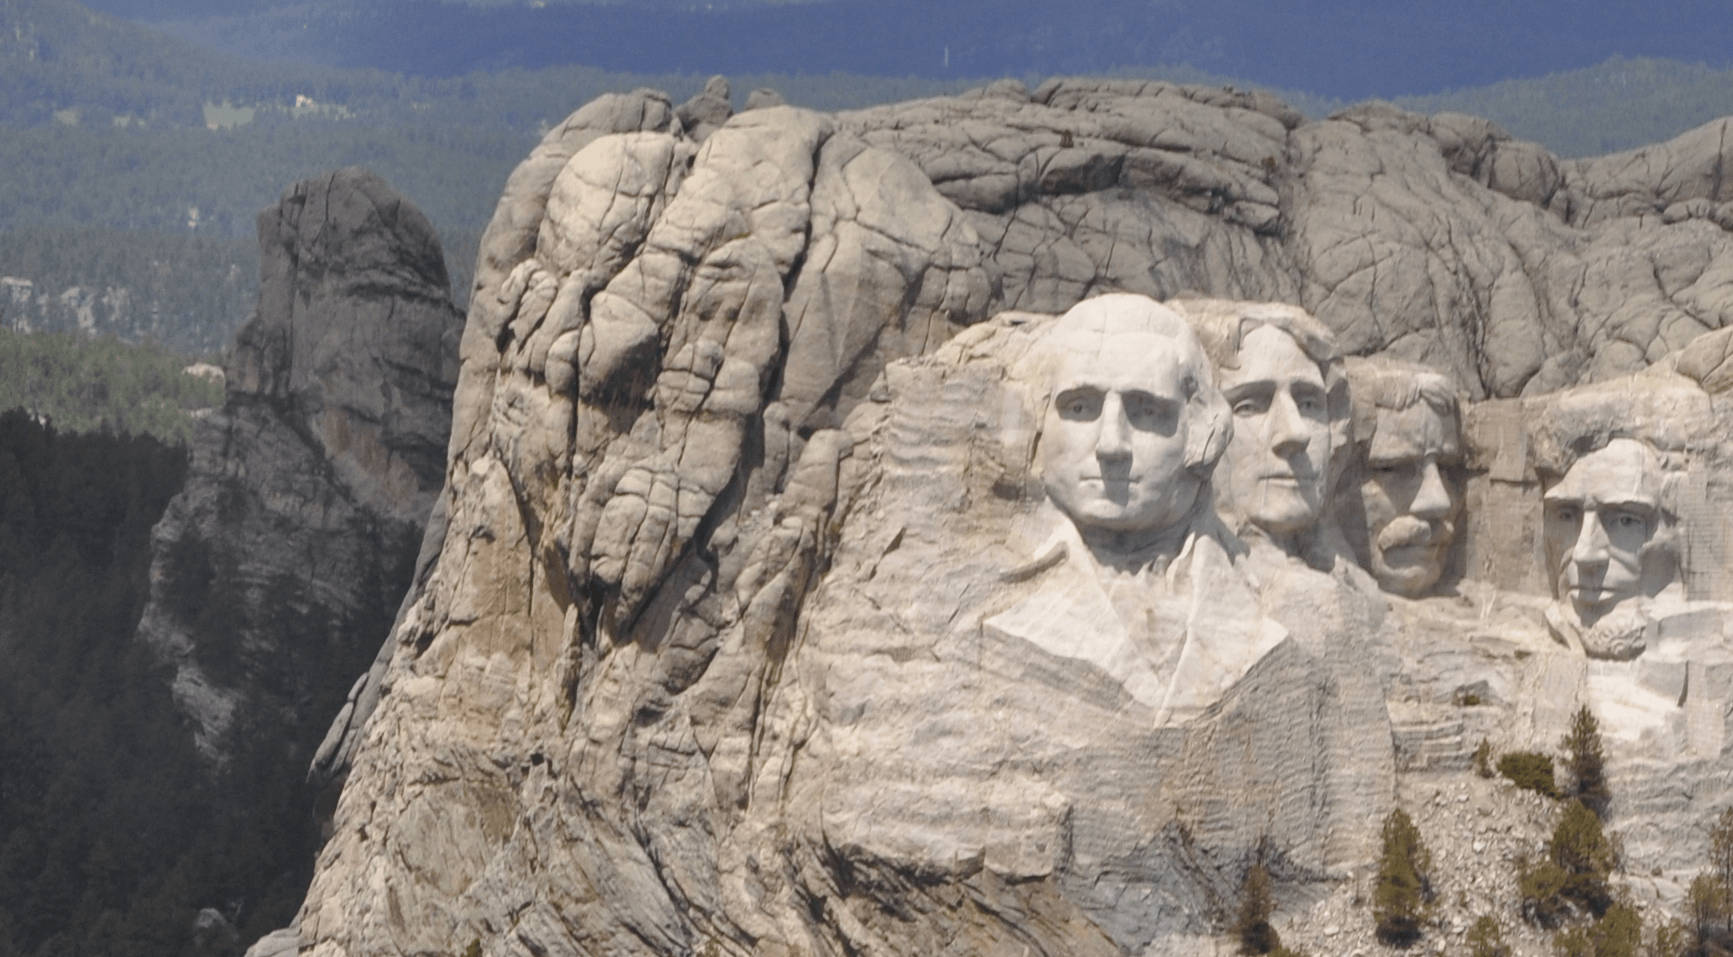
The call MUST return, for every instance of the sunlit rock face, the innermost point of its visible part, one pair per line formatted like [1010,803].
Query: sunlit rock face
[279,566]
[848,548]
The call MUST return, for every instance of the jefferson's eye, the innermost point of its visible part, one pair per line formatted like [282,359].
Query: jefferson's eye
[1251,405]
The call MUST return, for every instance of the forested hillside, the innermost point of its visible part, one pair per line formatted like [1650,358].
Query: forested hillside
[100,384]
[113,833]
[136,161]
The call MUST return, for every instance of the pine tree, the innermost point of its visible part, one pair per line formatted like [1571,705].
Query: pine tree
[1721,859]
[1580,849]
[1252,926]
[1587,762]
[1399,900]
[1706,904]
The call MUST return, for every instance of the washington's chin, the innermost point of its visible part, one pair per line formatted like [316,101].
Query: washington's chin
[1113,517]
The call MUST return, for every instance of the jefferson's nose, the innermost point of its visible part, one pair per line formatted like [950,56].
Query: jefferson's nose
[1287,427]
[1432,499]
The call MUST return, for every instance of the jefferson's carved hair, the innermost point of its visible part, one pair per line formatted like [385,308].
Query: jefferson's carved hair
[1223,324]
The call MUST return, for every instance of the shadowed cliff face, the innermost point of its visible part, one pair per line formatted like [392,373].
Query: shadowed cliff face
[740,483]
[279,566]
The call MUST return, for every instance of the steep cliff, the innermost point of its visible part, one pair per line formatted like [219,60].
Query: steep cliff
[705,659]
[277,568]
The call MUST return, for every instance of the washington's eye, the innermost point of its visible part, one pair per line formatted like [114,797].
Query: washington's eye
[1145,412]
[1080,405]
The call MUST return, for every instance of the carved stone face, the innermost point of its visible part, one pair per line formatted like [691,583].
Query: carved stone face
[1113,443]
[1600,520]
[1409,495]
[1277,463]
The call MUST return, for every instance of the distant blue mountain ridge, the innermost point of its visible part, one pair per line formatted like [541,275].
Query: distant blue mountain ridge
[1349,49]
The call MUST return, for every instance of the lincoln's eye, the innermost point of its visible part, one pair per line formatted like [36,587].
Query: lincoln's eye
[1628,521]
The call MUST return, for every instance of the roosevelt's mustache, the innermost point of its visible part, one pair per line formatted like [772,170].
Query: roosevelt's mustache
[1409,531]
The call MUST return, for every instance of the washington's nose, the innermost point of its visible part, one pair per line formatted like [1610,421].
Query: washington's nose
[1287,427]
[1432,499]
[1113,432]
[1591,544]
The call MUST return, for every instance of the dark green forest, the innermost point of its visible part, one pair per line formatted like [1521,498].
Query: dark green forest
[114,832]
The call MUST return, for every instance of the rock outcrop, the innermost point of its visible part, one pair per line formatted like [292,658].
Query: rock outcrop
[278,567]
[706,659]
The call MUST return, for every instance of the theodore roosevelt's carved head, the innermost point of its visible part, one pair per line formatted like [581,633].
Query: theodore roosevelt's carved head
[1134,425]
[1280,373]
[1407,429]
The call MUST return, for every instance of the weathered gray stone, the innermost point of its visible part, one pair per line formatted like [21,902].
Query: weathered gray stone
[282,560]
[745,628]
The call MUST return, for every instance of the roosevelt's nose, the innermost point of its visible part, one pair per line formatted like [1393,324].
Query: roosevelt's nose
[1432,499]
[1113,432]
[1591,544]
[1287,427]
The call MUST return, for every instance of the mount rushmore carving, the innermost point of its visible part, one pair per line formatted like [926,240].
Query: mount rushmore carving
[987,524]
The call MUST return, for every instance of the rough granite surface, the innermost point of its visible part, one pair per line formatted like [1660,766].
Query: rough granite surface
[698,663]
[286,553]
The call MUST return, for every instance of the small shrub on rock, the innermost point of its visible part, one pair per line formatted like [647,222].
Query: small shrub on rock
[1529,770]
[1486,938]
[1483,758]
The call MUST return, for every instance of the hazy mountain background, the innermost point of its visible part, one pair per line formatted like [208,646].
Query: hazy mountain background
[140,137]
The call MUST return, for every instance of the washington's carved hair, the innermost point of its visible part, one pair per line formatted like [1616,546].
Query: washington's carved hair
[1207,420]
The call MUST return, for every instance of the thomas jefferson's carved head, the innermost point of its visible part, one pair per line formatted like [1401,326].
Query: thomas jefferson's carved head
[1134,425]
[1280,373]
